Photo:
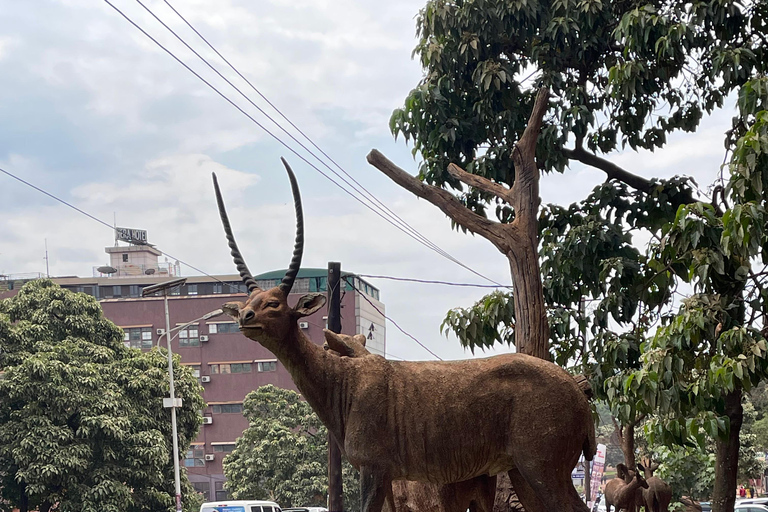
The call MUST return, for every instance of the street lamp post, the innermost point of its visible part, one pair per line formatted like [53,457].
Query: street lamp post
[171,402]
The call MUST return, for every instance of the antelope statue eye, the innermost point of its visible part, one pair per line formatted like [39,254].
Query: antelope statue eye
[273,304]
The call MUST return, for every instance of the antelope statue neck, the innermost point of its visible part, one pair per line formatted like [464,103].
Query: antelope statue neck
[430,421]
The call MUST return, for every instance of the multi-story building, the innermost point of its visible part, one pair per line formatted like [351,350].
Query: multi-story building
[228,364]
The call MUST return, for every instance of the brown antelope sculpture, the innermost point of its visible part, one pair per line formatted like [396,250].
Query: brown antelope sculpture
[475,495]
[622,491]
[438,422]
[658,495]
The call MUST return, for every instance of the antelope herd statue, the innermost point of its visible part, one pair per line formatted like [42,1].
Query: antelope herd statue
[434,422]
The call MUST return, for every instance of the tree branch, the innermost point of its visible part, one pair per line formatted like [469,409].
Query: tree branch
[444,200]
[525,191]
[479,182]
[612,170]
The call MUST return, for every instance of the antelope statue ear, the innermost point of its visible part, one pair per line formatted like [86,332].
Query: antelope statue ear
[360,338]
[233,309]
[308,304]
[334,342]
[621,470]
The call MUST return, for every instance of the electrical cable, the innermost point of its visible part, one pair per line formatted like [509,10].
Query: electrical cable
[111,227]
[364,296]
[356,186]
[427,281]
[301,157]
[83,212]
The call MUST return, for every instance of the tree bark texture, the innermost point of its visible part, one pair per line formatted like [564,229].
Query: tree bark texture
[727,456]
[626,435]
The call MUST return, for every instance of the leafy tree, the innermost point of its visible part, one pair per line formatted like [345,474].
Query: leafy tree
[621,73]
[283,454]
[82,426]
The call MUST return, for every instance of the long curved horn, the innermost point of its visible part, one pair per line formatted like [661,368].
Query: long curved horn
[245,274]
[298,248]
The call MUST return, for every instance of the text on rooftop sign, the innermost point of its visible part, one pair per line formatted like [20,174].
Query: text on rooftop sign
[135,236]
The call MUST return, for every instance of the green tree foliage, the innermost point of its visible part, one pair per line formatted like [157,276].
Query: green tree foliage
[622,73]
[82,426]
[283,454]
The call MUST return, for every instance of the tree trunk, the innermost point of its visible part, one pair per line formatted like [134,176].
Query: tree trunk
[727,456]
[531,326]
[627,438]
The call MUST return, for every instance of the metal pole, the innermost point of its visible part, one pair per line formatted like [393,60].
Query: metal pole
[587,464]
[176,477]
[335,488]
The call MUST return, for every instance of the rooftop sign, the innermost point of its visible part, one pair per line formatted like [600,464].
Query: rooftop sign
[130,235]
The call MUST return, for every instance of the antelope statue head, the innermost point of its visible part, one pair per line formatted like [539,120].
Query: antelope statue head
[265,316]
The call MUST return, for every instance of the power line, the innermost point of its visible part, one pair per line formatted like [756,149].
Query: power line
[280,141]
[428,281]
[109,225]
[357,186]
[363,295]
[83,212]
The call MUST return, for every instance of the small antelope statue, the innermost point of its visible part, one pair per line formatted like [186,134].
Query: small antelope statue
[432,421]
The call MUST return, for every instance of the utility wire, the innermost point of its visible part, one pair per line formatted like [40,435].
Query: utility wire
[83,212]
[301,157]
[358,187]
[363,295]
[111,227]
[427,281]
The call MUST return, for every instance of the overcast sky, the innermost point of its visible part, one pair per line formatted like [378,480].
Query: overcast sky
[92,111]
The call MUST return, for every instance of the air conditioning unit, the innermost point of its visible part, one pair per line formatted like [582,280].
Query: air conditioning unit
[205,378]
[210,456]
[160,332]
[303,325]
[207,420]
[203,337]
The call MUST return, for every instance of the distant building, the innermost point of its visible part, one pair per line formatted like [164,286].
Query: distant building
[228,364]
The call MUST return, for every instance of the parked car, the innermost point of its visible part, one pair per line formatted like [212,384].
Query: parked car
[305,509]
[706,506]
[749,501]
[240,506]
[750,507]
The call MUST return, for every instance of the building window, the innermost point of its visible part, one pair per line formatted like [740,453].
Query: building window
[223,328]
[117,291]
[125,258]
[195,369]
[134,291]
[195,456]
[138,337]
[191,289]
[221,494]
[266,366]
[217,288]
[189,337]
[203,488]
[224,448]
[227,408]
[224,368]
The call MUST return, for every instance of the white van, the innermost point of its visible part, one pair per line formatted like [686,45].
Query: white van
[240,506]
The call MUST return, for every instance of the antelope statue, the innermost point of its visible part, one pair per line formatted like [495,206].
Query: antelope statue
[475,495]
[433,421]
[658,495]
[622,491]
